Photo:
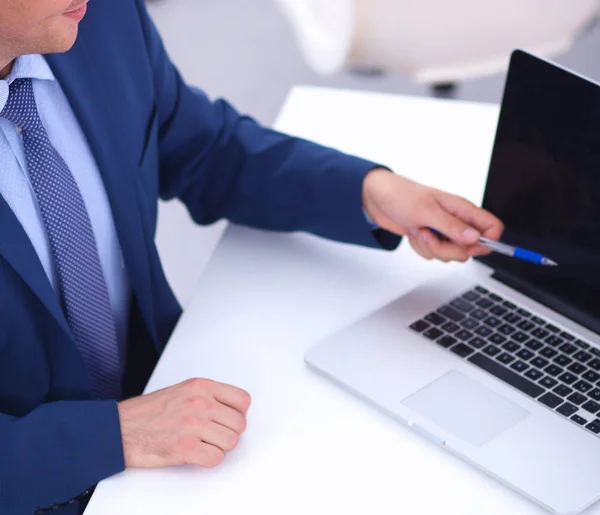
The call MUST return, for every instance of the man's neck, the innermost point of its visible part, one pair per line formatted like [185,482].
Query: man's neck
[6,70]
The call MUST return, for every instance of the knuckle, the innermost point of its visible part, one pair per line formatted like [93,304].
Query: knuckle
[245,399]
[212,456]
[198,383]
[231,441]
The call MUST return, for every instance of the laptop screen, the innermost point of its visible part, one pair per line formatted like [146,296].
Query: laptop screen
[544,183]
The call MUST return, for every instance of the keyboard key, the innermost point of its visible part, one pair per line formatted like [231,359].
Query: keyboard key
[538,320]
[495,297]
[451,313]
[582,386]
[420,326]
[526,325]
[497,339]
[519,366]
[594,426]
[523,312]
[490,350]
[519,337]
[511,347]
[506,375]
[550,400]
[567,348]
[567,409]
[450,327]
[484,303]
[553,370]
[594,351]
[433,333]
[446,341]
[582,344]
[562,360]
[483,331]
[540,333]
[577,368]
[525,354]
[539,362]
[579,420]
[591,376]
[568,378]
[472,296]
[555,341]
[552,328]
[594,364]
[577,398]
[509,305]
[462,350]
[511,318]
[534,374]
[548,382]
[548,352]
[435,319]
[478,314]
[562,390]
[469,323]
[498,311]
[595,394]
[534,344]
[505,358]
[477,342]
[481,290]
[591,406]
[464,335]
[492,321]
[567,336]
[582,356]
[462,305]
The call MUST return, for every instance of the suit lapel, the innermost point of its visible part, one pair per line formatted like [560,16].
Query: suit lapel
[18,251]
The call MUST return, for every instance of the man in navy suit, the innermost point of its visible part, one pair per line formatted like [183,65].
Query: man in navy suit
[95,125]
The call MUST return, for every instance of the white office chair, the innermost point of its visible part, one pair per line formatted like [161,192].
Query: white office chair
[432,41]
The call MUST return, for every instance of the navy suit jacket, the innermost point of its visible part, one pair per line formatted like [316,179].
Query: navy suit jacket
[152,136]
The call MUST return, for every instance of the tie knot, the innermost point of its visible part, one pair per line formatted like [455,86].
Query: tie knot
[20,107]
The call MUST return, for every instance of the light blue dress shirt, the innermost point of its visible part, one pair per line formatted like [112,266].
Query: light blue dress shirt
[68,139]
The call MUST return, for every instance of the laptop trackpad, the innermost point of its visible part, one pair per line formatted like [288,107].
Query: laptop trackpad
[466,408]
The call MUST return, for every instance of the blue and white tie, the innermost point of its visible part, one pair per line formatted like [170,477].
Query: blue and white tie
[82,284]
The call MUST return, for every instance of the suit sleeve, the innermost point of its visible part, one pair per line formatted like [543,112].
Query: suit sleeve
[223,165]
[56,452]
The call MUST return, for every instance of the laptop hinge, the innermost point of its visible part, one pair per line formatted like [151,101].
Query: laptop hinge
[550,301]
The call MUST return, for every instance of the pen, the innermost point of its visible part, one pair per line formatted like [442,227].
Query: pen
[509,250]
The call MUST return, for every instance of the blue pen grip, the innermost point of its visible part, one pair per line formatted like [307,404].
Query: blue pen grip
[527,255]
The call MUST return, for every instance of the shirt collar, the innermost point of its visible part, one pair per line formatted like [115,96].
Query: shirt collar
[25,67]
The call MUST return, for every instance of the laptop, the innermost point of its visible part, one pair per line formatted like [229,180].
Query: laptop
[499,361]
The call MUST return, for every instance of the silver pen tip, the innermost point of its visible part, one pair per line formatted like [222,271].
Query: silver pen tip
[548,262]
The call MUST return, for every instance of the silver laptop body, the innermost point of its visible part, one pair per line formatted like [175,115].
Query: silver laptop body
[520,407]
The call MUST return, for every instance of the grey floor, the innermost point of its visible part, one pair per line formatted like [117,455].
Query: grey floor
[244,51]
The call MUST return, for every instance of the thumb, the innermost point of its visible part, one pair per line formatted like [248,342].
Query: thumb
[454,228]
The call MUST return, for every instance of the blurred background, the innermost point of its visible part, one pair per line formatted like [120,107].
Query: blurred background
[252,52]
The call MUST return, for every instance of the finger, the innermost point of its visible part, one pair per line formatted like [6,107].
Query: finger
[445,250]
[192,450]
[233,397]
[472,216]
[420,246]
[220,436]
[230,418]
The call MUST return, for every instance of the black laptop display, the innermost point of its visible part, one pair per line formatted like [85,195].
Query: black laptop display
[544,183]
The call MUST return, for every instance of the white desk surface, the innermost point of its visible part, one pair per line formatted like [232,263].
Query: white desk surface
[310,447]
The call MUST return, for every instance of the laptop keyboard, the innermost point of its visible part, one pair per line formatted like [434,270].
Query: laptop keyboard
[548,364]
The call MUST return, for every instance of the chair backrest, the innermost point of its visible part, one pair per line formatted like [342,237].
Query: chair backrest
[433,40]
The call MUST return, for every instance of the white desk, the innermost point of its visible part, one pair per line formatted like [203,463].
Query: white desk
[265,298]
